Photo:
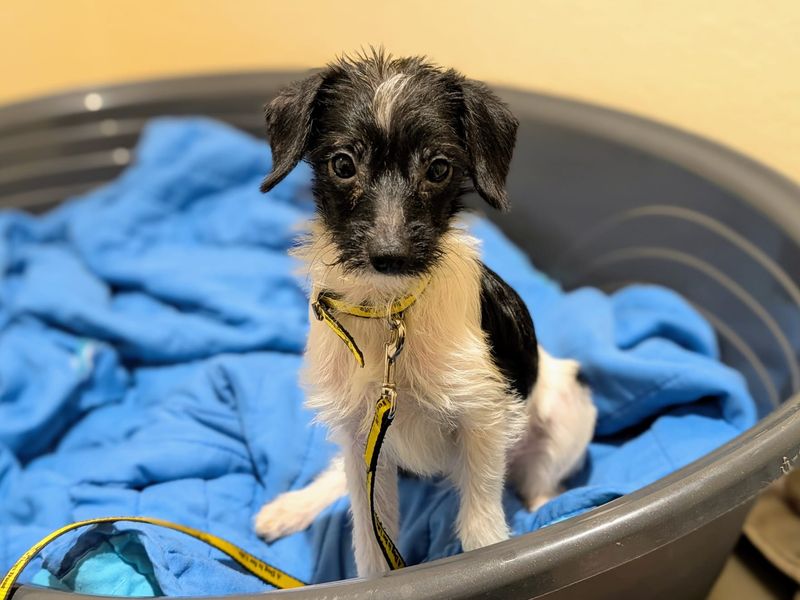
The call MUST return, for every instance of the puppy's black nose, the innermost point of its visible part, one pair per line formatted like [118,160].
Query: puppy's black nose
[389,264]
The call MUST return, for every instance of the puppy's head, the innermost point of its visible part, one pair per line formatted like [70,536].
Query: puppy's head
[394,144]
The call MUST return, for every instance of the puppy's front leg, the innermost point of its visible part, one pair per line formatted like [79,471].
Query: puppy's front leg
[479,476]
[369,558]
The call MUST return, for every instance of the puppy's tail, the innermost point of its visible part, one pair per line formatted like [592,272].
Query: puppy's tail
[293,511]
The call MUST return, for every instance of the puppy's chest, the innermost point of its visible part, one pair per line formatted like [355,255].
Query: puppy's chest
[432,373]
[423,371]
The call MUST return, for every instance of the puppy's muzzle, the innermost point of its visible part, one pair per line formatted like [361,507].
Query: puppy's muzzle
[389,248]
[389,261]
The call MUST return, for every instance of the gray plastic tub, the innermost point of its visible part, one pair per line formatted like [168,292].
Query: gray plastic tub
[600,198]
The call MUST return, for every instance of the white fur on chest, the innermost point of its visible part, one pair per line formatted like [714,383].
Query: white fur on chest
[443,374]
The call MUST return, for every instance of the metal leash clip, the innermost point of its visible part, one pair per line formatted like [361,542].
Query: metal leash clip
[394,346]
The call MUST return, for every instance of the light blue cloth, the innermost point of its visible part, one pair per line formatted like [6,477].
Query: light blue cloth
[150,338]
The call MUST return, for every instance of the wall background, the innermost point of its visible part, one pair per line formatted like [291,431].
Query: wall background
[727,69]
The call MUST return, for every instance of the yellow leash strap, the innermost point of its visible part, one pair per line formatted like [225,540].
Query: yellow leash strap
[326,303]
[384,415]
[323,313]
[265,572]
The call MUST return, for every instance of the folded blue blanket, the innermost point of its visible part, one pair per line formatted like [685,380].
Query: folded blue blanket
[150,338]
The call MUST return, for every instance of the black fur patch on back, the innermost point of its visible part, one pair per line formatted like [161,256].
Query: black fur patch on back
[510,332]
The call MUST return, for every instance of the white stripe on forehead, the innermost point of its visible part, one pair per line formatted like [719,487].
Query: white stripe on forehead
[386,94]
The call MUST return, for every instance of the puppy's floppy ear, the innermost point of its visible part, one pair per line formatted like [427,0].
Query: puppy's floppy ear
[490,131]
[289,121]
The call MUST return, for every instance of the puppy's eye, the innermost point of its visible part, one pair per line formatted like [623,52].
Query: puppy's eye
[438,171]
[343,166]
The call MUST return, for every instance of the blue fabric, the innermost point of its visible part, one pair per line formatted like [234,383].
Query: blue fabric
[117,564]
[150,338]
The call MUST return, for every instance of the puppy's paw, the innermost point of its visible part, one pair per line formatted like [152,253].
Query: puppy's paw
[483,539]
[539,501]
[476,533]
[288,513]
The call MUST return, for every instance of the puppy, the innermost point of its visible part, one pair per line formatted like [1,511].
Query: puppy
[394,145]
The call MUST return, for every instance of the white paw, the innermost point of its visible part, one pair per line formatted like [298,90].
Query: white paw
[370,562]
[539,501]
[289,513]
[486,535]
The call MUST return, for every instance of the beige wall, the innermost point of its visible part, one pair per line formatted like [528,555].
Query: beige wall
[727,69]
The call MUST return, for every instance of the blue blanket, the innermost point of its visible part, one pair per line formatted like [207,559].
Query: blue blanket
[150,338]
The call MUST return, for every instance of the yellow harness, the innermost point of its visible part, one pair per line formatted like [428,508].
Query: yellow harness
[323,307]
[326,303]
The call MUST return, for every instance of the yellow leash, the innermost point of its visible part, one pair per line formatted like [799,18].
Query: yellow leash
[323,308]
[264,571]
[384,415]
[380,424]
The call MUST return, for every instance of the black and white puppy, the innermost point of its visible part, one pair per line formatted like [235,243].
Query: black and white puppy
[394,145]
